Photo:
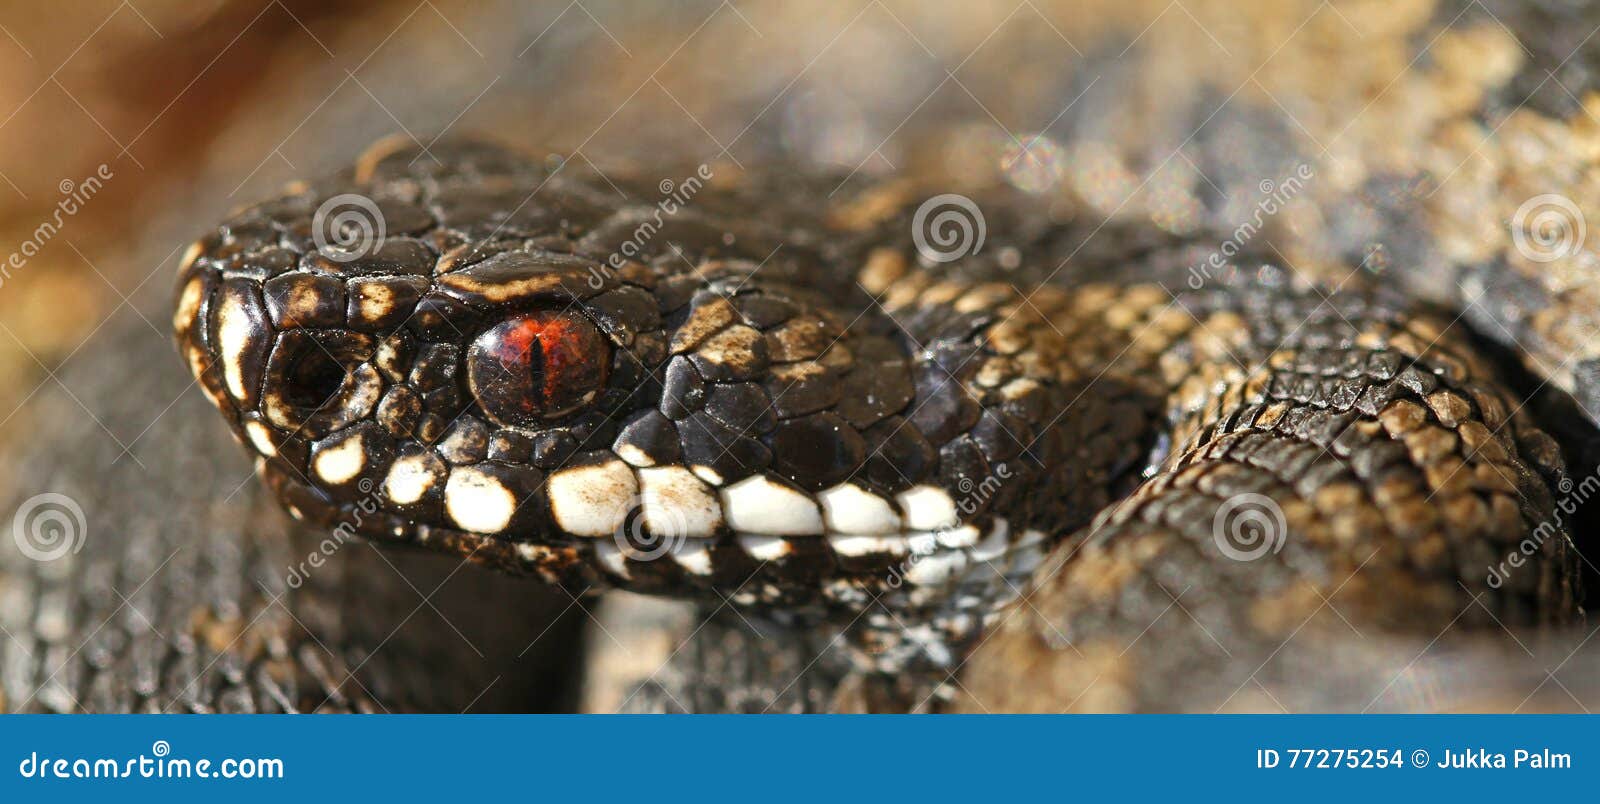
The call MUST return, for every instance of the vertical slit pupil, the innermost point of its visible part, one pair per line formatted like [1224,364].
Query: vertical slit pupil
[537,366]
[536,376]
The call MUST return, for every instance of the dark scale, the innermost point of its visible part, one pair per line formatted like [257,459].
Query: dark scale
[467,441]
[395,255]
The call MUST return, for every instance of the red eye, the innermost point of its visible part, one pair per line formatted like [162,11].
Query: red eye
[537,366]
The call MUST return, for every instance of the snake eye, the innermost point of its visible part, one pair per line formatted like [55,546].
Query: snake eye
[538,366]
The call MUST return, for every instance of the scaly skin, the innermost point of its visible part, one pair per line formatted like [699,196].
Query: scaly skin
[803,408]
[1155,615]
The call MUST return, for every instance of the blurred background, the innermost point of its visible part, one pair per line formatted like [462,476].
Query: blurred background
[128,127]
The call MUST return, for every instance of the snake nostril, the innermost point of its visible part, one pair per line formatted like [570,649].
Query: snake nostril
[313,381]
[318,383]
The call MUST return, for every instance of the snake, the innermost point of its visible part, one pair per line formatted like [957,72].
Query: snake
[906,448]
[813,413]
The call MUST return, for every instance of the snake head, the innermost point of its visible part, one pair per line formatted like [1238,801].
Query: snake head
[647,387]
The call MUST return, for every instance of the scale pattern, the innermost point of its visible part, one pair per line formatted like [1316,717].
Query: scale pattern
[802,410]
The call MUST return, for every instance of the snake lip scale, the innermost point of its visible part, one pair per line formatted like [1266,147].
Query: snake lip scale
[781,401]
